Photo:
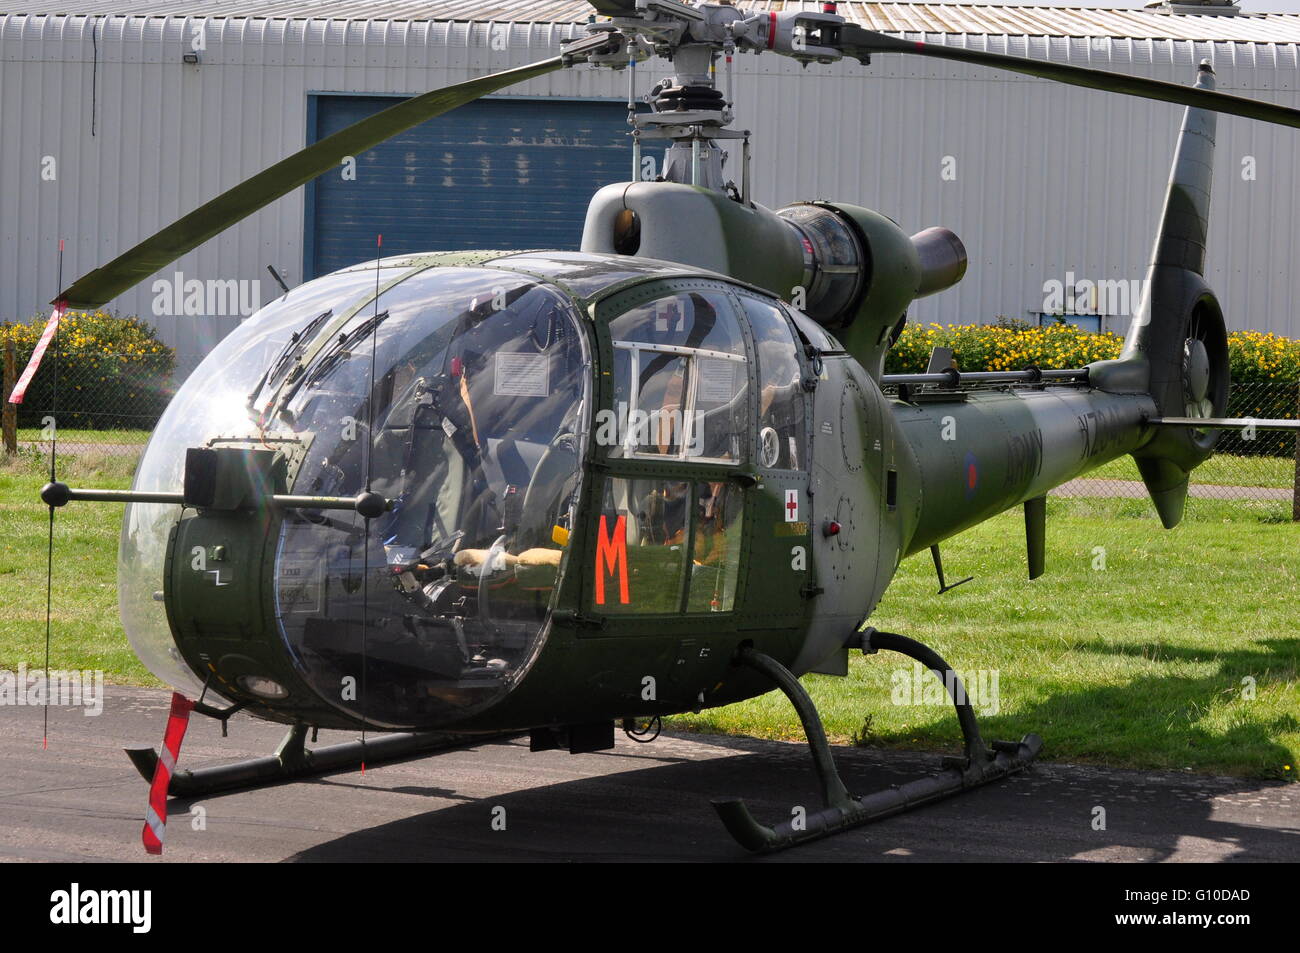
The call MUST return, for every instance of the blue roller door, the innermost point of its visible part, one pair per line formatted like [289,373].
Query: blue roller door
[497,173]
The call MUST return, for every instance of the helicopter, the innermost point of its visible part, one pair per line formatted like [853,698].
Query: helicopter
[557,492]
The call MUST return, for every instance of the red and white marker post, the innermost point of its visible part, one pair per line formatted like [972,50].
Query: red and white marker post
[51,329]
[155,818]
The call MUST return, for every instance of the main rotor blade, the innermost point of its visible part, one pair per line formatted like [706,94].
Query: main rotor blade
[614,8]
[188,232]
[854,40]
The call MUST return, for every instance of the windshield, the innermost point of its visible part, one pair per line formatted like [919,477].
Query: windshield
[474,429]
[213,402]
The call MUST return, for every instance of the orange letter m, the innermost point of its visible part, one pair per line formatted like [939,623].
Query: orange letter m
[611,557]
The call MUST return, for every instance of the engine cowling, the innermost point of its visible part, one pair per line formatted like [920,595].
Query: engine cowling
[861,272]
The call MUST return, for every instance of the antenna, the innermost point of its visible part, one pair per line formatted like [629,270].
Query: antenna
[631,114]
[279,279]
[370,453]
[49,555]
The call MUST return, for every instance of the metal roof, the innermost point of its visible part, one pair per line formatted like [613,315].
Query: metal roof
[933,18]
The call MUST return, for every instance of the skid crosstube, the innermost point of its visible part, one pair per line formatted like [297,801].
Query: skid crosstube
[979,765]
[293,760]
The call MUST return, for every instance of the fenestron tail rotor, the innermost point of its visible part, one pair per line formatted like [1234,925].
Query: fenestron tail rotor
[1197,369]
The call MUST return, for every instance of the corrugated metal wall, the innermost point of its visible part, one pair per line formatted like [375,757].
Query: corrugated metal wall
[1049,180]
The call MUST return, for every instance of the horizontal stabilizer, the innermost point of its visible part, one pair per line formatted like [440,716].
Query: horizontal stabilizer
[1225,423]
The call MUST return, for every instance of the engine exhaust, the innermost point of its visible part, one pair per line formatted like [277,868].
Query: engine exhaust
[943,260]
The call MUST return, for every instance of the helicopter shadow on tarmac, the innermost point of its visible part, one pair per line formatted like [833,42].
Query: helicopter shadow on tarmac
[616,809]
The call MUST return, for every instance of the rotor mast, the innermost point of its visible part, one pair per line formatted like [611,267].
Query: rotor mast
[689,111]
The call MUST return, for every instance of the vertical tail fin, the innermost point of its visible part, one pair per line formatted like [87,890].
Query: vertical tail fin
[1180,242]
[1177,348]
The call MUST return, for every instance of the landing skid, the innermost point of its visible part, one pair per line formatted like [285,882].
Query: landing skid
[293,760]
[842,811]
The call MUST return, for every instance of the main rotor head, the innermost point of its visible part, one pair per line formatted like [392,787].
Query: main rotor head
[688,108]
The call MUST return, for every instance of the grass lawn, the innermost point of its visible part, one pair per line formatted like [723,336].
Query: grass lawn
[1218,470]
[85,632]
[79,435]
[1145,663]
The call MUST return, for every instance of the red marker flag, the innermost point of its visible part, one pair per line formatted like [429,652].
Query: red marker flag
[51,328]
[155,818]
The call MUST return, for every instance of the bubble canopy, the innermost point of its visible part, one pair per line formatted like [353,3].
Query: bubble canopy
[460,394]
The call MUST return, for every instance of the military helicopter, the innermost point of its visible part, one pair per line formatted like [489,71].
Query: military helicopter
[555,492]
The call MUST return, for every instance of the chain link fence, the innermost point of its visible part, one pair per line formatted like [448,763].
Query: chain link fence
[1257,472]
[104,406]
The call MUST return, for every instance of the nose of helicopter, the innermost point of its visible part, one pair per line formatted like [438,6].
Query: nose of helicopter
[458,396]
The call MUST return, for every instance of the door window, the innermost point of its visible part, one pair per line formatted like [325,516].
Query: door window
[641,542]
[715,549]
[661,541]
[780,387]
[680,380]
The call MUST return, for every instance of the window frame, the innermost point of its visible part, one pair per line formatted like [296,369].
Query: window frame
[606,465]
[800,344]
[616,306]
[692,355]
[685,572]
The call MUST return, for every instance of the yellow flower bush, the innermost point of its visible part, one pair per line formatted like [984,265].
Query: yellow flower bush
[113,371]
[1254,356]
[1263,357]
[1001,348]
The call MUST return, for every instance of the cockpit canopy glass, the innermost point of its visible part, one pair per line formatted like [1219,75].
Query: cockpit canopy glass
[213,402]
[478,417]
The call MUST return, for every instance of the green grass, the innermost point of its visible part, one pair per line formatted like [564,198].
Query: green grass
[1139,665]
[85,632]
[1218,470]
[82,435]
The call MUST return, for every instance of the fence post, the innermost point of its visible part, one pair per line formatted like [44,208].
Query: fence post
[1295,492]
[9,412]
